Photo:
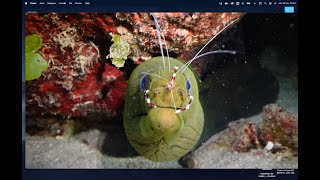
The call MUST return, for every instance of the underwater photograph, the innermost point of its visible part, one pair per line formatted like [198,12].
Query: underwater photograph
[160,90]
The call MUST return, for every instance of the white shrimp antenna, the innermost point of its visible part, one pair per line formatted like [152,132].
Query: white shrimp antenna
[161,40]
[185,66]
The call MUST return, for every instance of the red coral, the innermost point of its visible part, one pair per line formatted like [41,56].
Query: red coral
[76,83]
[280,125]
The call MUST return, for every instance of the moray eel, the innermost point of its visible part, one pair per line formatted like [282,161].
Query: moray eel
[163,117]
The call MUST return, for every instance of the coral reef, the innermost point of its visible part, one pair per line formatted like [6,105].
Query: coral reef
[279,131]
[276,140]
[280,127]
[76,82]
[184,32]
[80,80]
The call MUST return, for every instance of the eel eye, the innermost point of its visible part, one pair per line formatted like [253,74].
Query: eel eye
[144,82]
[189,86]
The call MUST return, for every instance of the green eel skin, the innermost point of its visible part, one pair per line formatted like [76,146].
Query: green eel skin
[161,134]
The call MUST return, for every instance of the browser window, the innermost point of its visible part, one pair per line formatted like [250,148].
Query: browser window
[170,85]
